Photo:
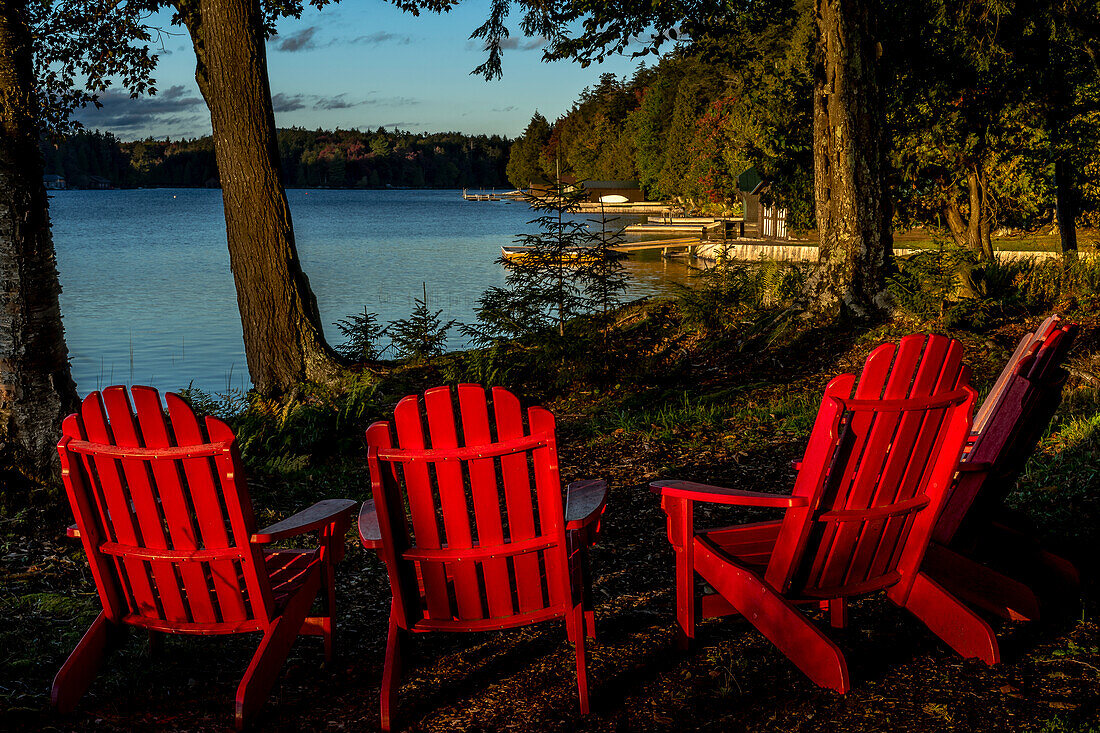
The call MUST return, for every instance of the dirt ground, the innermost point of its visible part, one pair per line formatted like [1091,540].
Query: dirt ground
[738,422]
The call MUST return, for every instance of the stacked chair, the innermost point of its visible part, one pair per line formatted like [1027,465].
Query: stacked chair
[880,460]
[901,489]
[980,551]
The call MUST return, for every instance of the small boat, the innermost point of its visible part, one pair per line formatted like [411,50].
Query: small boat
[573,254]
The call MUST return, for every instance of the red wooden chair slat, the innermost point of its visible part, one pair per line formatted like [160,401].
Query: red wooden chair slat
[119,518]
[879,461]
[551,517]
[517,493]
[487,498]
[206,499]
[146,510]
[148,497]
[452,501]
[534,548]
[410,433]
[178,515]
[978,555]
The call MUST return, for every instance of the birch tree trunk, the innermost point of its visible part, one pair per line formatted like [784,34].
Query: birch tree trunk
[36,389]
[283,339]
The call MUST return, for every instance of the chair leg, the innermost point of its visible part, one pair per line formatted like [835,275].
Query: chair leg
[948,618]
[268,660]
[589,605]
[574,623]
[76,675]
[838,612]
[156,643]
[979,585]
[685,600]
[776,618]
[391,673]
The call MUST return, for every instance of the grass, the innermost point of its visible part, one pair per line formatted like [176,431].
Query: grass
[676,401]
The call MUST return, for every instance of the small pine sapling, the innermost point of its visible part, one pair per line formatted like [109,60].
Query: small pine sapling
[422,335]
[361,333]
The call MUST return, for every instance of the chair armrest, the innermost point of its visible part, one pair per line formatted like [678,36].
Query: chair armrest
[73,532]
[317,517]
[369,532]
[721,495]
[976,466]
[797,465]
[584,502]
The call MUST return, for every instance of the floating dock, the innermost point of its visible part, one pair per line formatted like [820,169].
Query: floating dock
[492,196]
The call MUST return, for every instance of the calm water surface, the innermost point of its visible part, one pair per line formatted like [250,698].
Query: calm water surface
[148,296]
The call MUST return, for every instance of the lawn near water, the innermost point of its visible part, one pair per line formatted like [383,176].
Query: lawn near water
[698,407]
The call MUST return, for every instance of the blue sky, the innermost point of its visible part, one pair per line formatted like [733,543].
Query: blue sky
[364,63]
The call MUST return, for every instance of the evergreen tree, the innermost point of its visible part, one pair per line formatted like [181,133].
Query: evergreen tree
[422,335]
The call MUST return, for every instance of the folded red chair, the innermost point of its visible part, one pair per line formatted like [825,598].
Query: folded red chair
[880,459]
[980,551]
[468,517]
[163,511]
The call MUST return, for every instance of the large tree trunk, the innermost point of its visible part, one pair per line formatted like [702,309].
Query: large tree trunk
[852,200]
[283,339]
[36,390]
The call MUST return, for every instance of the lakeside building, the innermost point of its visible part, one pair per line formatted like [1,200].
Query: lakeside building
[761,221]
[54,182]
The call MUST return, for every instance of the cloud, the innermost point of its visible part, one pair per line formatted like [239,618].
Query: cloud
[282,102]
[373,39]
[300,41]
[175,106]
[509,108]
[340,101]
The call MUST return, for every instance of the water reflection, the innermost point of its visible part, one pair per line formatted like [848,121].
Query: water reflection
[148,296]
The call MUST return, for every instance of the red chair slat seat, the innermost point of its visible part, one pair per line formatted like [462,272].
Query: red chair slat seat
[469,519]
[163,511]
[880,459]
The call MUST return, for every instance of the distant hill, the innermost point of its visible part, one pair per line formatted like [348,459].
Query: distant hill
[311,159]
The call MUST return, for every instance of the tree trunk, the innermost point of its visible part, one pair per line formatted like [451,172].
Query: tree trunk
[1065,206]
[36,389]
[283,339]
[972,232]
[851,196]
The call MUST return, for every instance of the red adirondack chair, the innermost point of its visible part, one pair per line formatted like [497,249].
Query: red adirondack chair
[162,509]
[978,552]
[872,481]
[520,560]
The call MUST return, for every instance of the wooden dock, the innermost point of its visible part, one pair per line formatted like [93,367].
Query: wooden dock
[676,228]
[492,196]
[686,245]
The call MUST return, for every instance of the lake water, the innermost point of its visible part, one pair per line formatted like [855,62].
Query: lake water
[148,296]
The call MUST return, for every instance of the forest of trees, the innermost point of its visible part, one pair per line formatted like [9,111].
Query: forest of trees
[310,159]
[973,134]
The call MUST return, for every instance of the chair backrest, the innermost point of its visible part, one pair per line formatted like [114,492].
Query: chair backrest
[1027,346]
[1019,411]
[164,514]
[470,511]
[879,461]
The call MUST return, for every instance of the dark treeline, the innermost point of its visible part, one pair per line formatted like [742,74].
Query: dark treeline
[310,158]
[986,116]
